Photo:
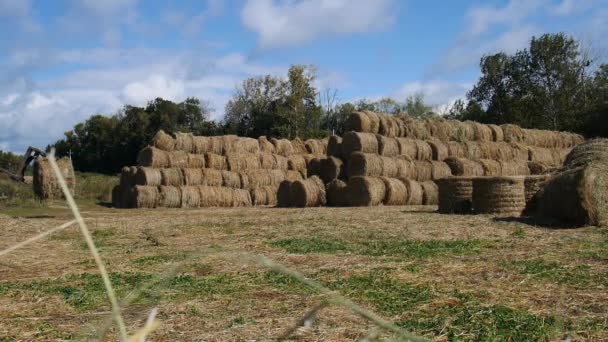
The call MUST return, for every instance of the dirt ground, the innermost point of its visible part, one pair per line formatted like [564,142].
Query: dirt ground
[438,276]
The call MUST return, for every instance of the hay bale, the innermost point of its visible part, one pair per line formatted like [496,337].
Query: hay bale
[543,155]
[178,158]
[184,142]
[169,197]
[390,167]
[439,129]
[456,149]
[117,197]
[473,150]
[365,191]
[193,176]
[244,181]
[424,170]
[534,184]
[331,168]
[163,141]
[231,179]
[229,144]
[242,161]
[314,146]
[196,161]
[282,163]
[265,145]
[145,196]
[261,178]
[440,170]
[491,168]
[455,195]
[514,168]
[499,195]
[465,131]
[308,193]
[266,196]
[464,167]
[388,126]
[388,147]
[313,167]
[297,162]
[247,145]
[423,150]
[482,132]
[215,161]
[215,145]
[212,177]
[293,176]
[364,164]
[359,142]
[284,194]
[337,193]
[512,133]
[128,177]
[374,121]
[408,147]
[577,196]
[172,177]
[282,147]
[334,146]
[439,150]
[153,157]
[539,168]
[148,176]
[395,191]
[191,197]
[405,167]
[359,122]
[298,146]
[595,150]
[497,133]
[200,145]
[213,196]
[430,193]
[414,191]
[267,161]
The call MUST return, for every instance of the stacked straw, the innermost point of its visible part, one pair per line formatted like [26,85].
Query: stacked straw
[46,185]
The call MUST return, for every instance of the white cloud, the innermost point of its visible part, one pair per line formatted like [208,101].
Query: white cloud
[570,7]
[481,19]
[288,23]
[140,92]
[436,92]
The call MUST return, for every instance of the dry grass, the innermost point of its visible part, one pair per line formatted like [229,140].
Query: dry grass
[440,276]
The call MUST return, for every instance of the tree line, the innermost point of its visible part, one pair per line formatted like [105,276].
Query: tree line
[552,84]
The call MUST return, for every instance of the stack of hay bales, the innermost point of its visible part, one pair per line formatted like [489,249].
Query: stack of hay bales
[578,194]
[503,196]
[185,171]
[46,185]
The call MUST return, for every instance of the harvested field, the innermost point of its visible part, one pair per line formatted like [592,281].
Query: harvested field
[416,269]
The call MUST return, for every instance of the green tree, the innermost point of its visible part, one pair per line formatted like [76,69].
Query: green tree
[415,106]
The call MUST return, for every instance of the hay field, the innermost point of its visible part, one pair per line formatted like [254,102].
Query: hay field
[442,277]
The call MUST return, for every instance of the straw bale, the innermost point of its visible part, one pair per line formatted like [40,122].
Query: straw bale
[359,142]
[117,197]
[284,194]
[212,177]
[145,196]
[473,150]
[282,147]
[128,176]
[314,146]
[390,167]
[520,151]
[497,133]
[260,178]
[424,170]
[430,193]
[193,176]
[178,158]
[297,162]
[248,145]
[482,132]
[267,161]
[490,167]
[414,191]
[214,196]
[534,184]
[265,145]
[365,191]
[514,168]
[231,179]
[440,170]
[456,149]
[169,197]
[313,167]
[543,155]
[229,143]
[334,146]
[512,133]
[172,176]
[408,147]
[364,164]
[266,196]
[46,185]
[201,145]
[388,126]
[331,168]
[148,176]
[298,146]
[439,150]
[595,150]
[215,161]
[153,157]
[359,122]
[242,161]
[196,161]
[337,193]
[388,147]
[282,163]
[395,191]
[374,121]
[465,131]
[455,195]
[464,167]
[499,195]
[439,129]
[191,197]
[308,193]
[417,129]
[293,176]
[163,141]
[184,142]
[539,168]
[215,145]
[423,150]
[244,181]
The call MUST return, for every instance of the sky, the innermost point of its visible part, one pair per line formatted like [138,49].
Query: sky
[62,61]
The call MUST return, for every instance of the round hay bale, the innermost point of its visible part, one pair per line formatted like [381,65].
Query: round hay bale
[334,146]
[331,168]
[439,150]
[430,193]
[216,145]
[491,168]
[293,176]
[313,167]
[497,133]
[212,177]
[512,133]
[297,162]
[213,196]
[200,145]
[261,178]
[282,147]
[148,176]
[441,129]
[359,122]
[267,161]
[193,176]
[416,129]
[145,196]
[499,195]
[534,184]
[359,142]
[366,191]
[215,161]
[456,149]
[163,141]
[396,192]
[577,196]
[284,194]
[178,158]
[196,161]
[386,126]
[153,157]
[465,131]
[388,147]
[473,150]
[423,150]
[542,155]
[337,194]
[464,167]
[308,193]
[390,167]
[455,195]
[243,161]
[514,168]
[314,146]
[264,196]
[265,145]
[169,197]
[127,199]
[191,197]
[117,197]
[595,150]
[374,121]
[248,145]
[539,168]
[482,132]
[298,146]
[414,191]
[231,179]
[440,170]
[282,163]
[184,142]
[408,147]
[424,170]
[364,164]
[229,144]
[244,181]
[128,177]
[172,177]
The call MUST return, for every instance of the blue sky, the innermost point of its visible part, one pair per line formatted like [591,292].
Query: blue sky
[62,61]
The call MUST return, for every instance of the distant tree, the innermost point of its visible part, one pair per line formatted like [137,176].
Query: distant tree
[10,161]
[388,105]
[415,106]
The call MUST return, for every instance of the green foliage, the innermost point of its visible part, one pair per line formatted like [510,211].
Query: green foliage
[10,161]
[415,106]
[311,245]
[580,275]
[95,186]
